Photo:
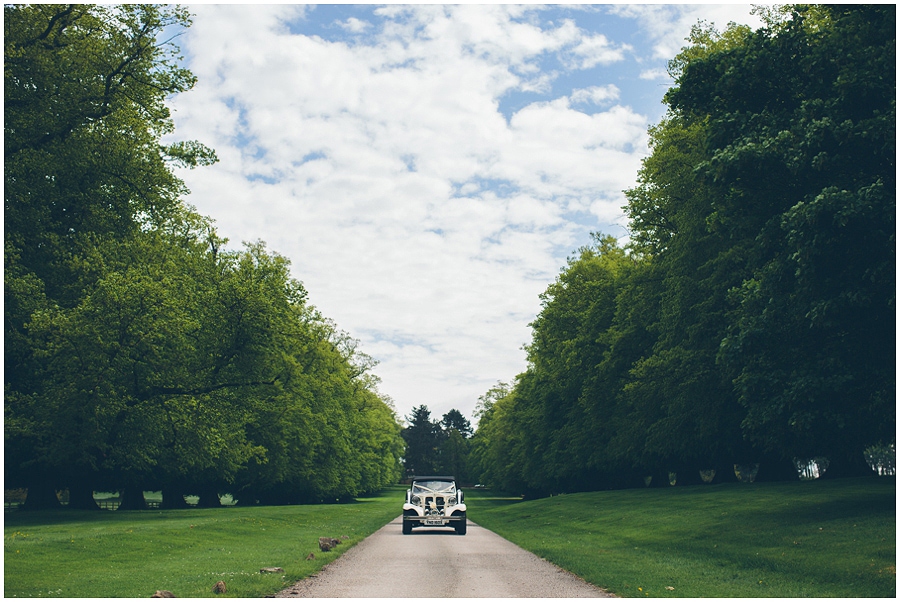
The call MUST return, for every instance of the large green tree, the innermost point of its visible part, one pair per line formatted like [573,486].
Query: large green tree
[84,110]
[454,447]
[800,154]
[422,436]
[498,443]
[140,353]
[684,416]
[554,428]
[752,317]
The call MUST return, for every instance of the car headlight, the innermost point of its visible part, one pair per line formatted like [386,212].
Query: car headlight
[451,501]
[415,500]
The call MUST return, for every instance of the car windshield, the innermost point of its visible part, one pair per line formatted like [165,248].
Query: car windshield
[445,487]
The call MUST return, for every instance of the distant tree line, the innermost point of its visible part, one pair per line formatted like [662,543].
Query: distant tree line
[437,447]
[751,319]
[139,353]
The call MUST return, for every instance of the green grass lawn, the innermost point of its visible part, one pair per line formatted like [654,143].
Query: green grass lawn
[132,554]
[818,538]
[807,539]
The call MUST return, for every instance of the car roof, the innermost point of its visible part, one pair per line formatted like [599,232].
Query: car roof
[434,478]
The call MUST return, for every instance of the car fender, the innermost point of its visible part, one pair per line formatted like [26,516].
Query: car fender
[418,510]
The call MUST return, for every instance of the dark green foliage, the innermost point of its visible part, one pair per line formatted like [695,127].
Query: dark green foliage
[139,353]
[554,429]
[437,447]
[454,420]
[752,318]
[422,436]
[813,336]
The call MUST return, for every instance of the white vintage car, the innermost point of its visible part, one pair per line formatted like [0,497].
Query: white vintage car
[434,502]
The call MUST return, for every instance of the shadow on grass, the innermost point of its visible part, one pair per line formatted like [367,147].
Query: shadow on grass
[490,498]
[799,539]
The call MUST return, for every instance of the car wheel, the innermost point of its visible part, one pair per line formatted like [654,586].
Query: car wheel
[407,527]
[461,527]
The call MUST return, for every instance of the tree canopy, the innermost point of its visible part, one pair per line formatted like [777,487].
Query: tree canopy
[438,446]
[141,353]
[751,318]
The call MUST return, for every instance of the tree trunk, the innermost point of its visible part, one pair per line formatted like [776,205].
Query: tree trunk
[209,498]
[660,479]
[81,497]
[173,498]
[776,469]
[132,499]
[847,465]
[725,474]
[41,496]
[688,475]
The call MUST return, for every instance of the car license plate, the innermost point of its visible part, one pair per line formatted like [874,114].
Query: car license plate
[434,522]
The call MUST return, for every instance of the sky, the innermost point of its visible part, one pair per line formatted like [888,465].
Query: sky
[427,169]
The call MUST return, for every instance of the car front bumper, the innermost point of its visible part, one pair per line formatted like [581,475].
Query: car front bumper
[447,517]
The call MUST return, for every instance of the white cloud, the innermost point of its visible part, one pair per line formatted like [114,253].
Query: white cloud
[597,95]
[542,84]
[596,50]
[652,74]
[354,25]
[420,219]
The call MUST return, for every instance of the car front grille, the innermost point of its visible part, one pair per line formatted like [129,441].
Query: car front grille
[438,500]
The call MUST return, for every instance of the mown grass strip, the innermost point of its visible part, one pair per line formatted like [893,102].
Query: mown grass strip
[105,554]
[808,539]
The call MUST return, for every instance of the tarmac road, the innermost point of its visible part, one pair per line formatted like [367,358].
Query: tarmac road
[438,563]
